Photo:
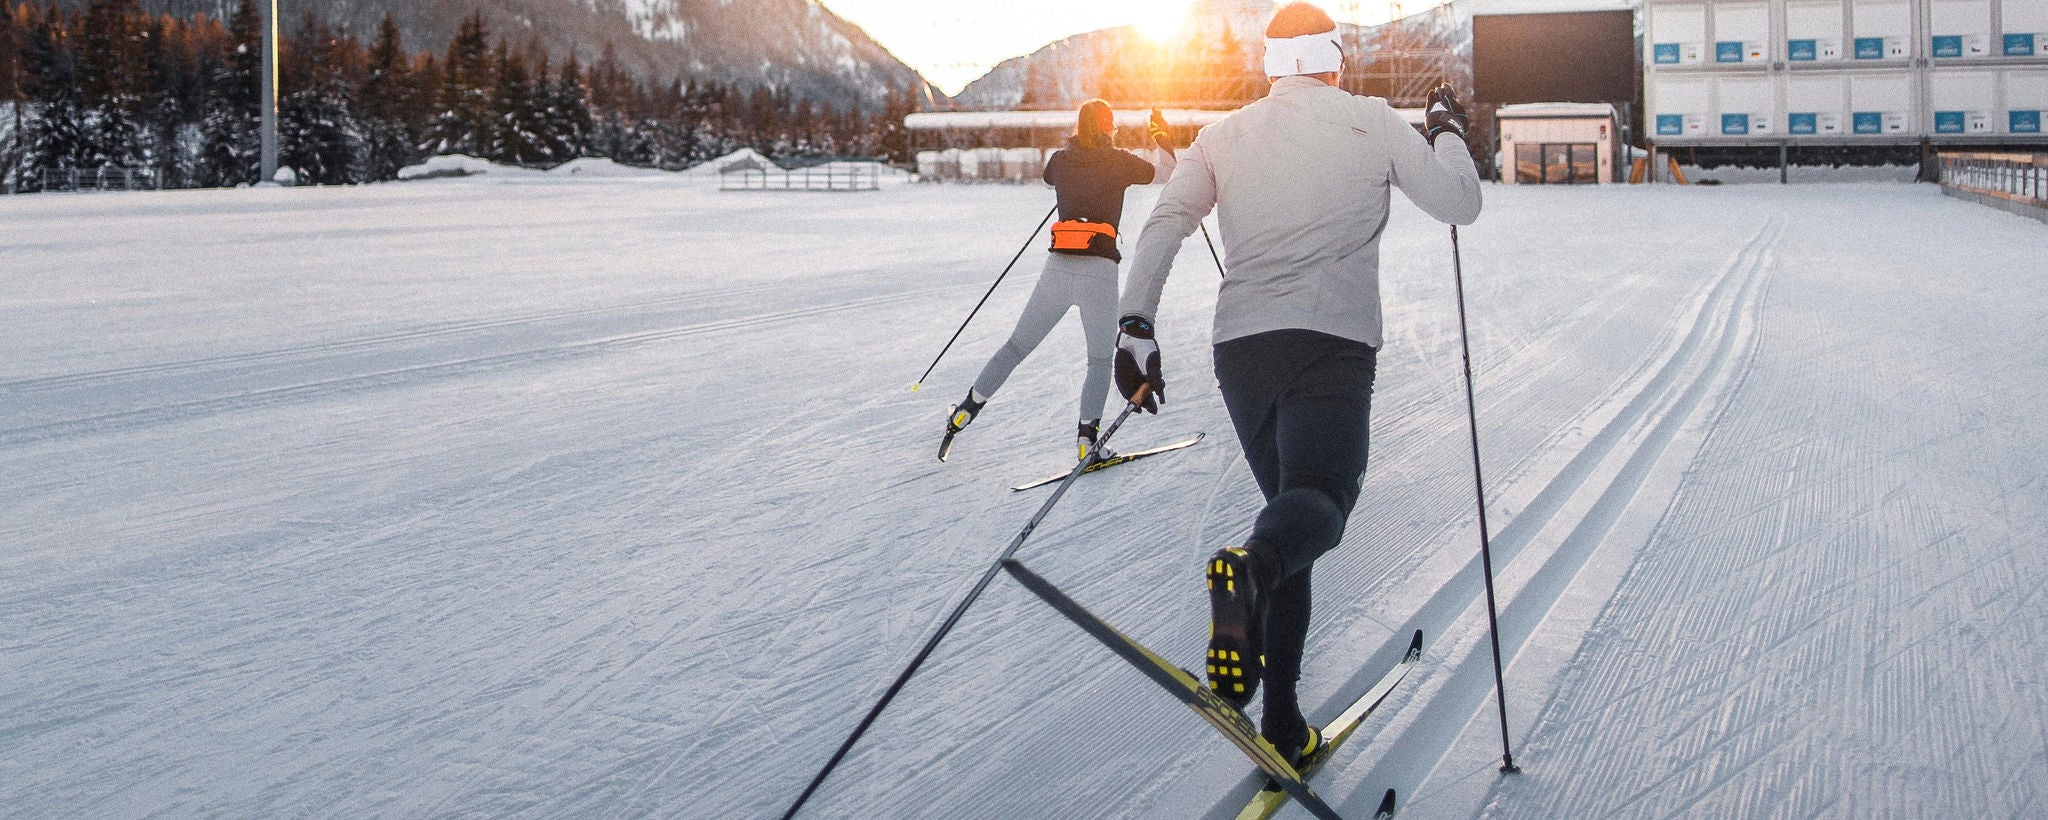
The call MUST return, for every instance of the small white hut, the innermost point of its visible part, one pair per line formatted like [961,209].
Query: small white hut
[1558,143]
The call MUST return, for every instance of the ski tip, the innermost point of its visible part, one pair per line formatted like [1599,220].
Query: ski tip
[914,387]
[1386,809]
[1415,645]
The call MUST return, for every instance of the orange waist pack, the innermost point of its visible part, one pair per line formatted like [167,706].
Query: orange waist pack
[1079,234]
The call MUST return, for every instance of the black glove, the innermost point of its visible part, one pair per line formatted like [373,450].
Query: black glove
[1137,363]
[1444,115]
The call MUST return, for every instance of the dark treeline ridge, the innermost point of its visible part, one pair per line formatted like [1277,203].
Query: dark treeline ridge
[111,86]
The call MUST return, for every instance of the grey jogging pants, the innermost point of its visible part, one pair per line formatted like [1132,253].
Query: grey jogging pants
[1086,282]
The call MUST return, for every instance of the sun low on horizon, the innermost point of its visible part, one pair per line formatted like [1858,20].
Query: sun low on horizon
[955,43]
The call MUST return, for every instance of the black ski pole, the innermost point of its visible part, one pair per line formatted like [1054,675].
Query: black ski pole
[1212,250]
[1507,755]
[933,642]
[984,297]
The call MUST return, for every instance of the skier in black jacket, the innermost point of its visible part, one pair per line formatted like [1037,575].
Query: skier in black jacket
[1089,176]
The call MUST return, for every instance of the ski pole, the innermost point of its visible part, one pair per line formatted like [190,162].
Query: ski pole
[995,566]
[1212,250]
[1507,755]
[984,297]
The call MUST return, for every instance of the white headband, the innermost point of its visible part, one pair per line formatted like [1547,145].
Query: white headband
[1307,54]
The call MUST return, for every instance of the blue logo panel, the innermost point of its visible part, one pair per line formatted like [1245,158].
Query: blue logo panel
[1870,48]
[1802,51]
[1728,52]
[1948,46]
[1670,125]
[1734,124]
[1665,54]
[1948,122]
[1802,123]
[2024,122]
[1868,122]
[2019,45]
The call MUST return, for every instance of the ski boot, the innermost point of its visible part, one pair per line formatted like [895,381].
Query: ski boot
[958,417]
[1304,755]
[1085,441]
[1238,597]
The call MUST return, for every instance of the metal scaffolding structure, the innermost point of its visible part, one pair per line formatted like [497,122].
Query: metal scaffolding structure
[1404,58]
[1400,60]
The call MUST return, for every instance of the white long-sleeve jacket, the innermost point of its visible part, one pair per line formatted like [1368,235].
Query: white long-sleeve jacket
[1300,182]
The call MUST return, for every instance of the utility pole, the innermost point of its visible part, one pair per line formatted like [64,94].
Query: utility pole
[267,89]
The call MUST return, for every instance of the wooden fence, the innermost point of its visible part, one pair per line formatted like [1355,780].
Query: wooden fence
[2013,177]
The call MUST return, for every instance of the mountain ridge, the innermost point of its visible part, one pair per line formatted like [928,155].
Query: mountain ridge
[795,46]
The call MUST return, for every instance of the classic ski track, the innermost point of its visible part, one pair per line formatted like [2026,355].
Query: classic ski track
[132,419]
[1408,421]
[1634,391]
[809,434]
[378,341]
[1663,392]
[1692,380]
[662,648]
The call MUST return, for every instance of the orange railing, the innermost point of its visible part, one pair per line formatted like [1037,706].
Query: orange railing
[2011,176]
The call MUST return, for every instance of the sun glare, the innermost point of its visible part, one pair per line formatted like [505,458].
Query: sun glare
[1160,21]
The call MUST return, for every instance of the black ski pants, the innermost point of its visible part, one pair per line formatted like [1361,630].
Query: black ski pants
[1302,403]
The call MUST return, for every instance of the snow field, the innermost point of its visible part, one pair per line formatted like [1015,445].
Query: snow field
[543,496]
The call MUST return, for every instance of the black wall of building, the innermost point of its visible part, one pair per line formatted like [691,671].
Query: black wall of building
[1585,57]
[1572,57]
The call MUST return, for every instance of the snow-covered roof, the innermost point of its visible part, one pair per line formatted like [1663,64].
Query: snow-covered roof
[974,120]
[1064,118]
[601,167]
[1554,110]
[457,165]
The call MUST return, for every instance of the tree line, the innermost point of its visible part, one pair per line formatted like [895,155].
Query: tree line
[111,86]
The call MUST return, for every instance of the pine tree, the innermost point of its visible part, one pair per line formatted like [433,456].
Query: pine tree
[13,98]
[171,105]
[462,120]
[317,133]
[114,75]
[894,138]
[569,112]
[386,102]
[513,139]
[610,105]
[56,140]
[230,153]
[10,54]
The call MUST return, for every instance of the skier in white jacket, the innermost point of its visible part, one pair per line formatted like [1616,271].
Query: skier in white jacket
[1300,182]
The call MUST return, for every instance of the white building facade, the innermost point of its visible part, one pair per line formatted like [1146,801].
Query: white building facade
[1845,72]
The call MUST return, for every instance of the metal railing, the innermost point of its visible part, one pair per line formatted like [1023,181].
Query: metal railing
[2011,176]
[103,178]
[822,178]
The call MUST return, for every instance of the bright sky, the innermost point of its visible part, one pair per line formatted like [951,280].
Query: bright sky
[953,42]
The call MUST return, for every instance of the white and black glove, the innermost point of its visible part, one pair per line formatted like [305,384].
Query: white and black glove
[1137,363]
[1444,115]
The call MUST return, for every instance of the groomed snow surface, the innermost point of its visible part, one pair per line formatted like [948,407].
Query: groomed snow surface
[551,495]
